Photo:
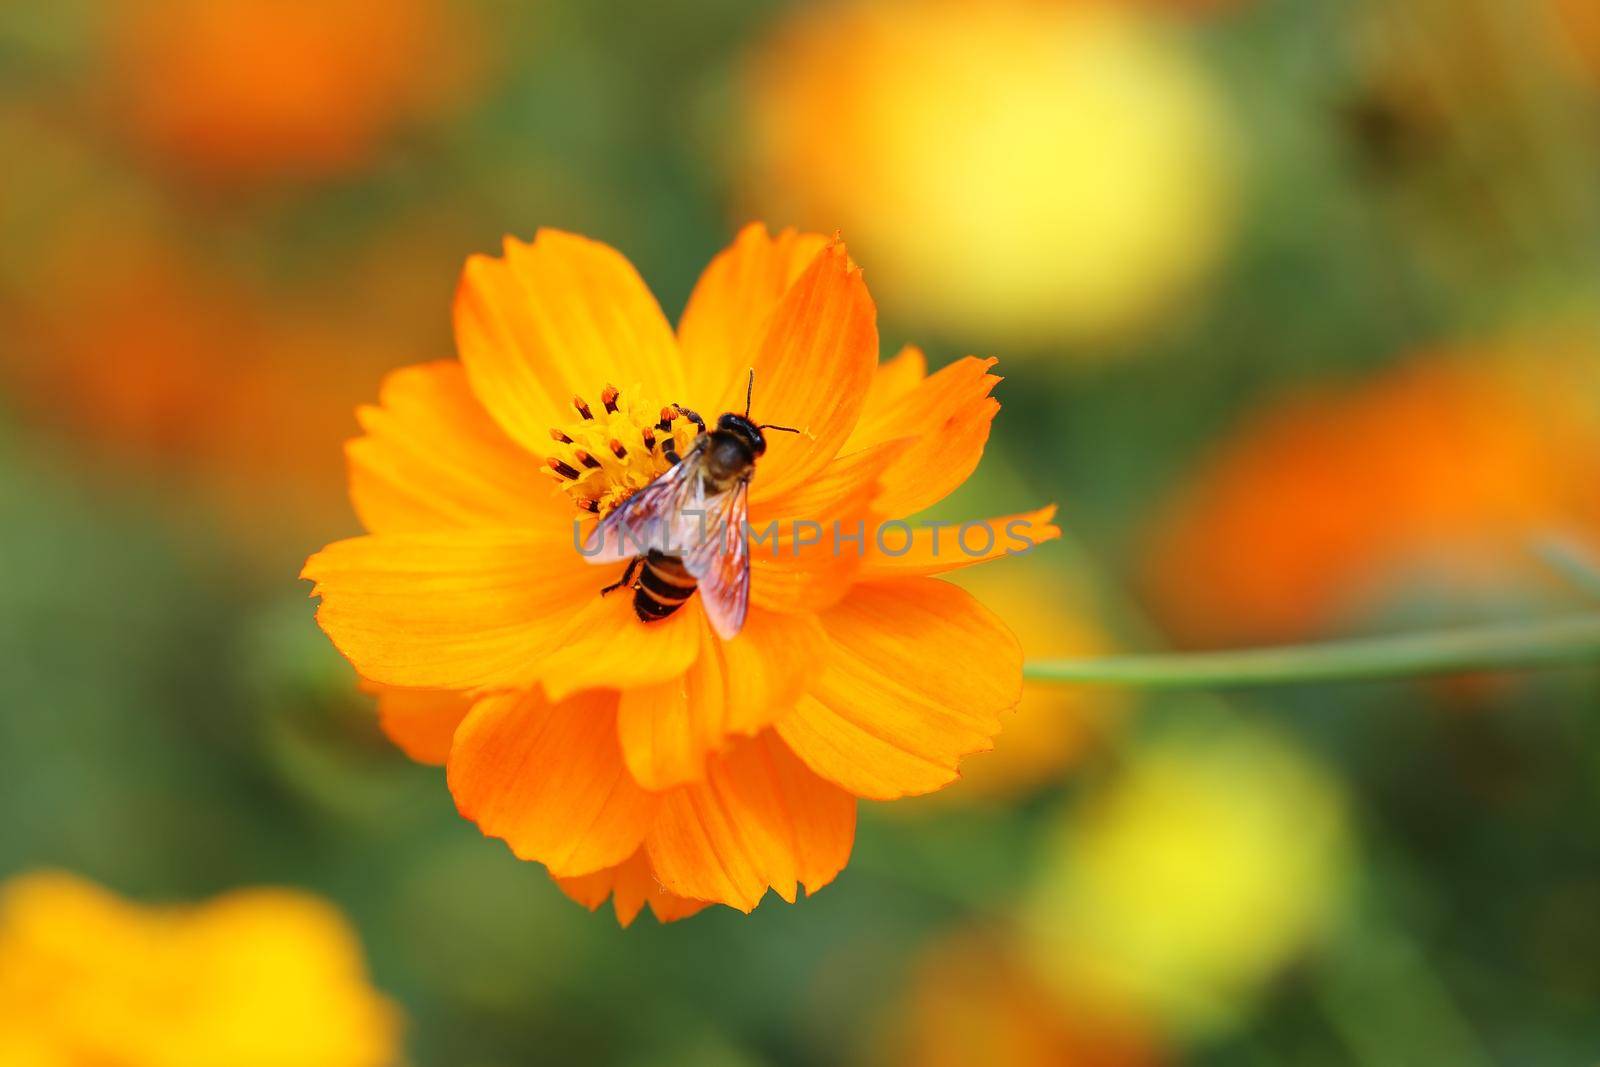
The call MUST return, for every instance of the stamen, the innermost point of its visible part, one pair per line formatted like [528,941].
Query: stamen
[602,455]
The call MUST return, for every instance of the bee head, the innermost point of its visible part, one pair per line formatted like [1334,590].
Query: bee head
[745,430]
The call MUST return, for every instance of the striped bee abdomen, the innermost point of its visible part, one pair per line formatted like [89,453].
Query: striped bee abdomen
[664,586]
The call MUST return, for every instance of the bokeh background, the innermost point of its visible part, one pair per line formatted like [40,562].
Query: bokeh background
[1297,301]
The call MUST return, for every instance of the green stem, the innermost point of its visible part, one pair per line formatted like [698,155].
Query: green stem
[1562,641]
[1570,559]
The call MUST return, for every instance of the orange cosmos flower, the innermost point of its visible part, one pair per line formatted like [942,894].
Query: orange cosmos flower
[255,978]
[657,762]
[1054,728]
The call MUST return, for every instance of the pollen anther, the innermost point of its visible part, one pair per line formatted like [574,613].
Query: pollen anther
[612,450]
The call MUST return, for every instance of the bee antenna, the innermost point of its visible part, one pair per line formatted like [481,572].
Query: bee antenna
[770,426]
[749,391]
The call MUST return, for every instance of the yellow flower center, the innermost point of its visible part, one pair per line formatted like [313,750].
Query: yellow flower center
[614,448]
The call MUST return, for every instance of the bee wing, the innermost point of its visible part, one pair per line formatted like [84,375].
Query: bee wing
[721,562]
[665,516]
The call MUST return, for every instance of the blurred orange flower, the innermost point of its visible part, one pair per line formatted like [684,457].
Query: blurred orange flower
[187,371]
[661,762]
[1580,19]
[1019,170]
[138,371]
[240,89]
[968,1001]
[1321,504]
[255,978]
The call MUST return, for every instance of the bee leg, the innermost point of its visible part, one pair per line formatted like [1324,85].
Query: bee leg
[627,576]
[692,416]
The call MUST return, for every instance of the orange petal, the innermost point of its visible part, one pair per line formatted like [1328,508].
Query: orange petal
[813,365]
[767,666]
[630,885]
[735,687]
[421,722]
[729,308]
[948,414]
[433,459]
[759,819]
[894,379]
[916,678]
[548,779]
[465,610]
[900,549]
[668,729]
[606,646]
[843,486]
[807,543]
[558,317]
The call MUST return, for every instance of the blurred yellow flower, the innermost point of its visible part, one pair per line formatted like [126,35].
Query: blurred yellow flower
[970,1001]
[1198,873]
[255,978]
[1018,170]
[1326,506]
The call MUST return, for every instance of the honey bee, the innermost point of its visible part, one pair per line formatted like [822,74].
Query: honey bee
[687,530]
